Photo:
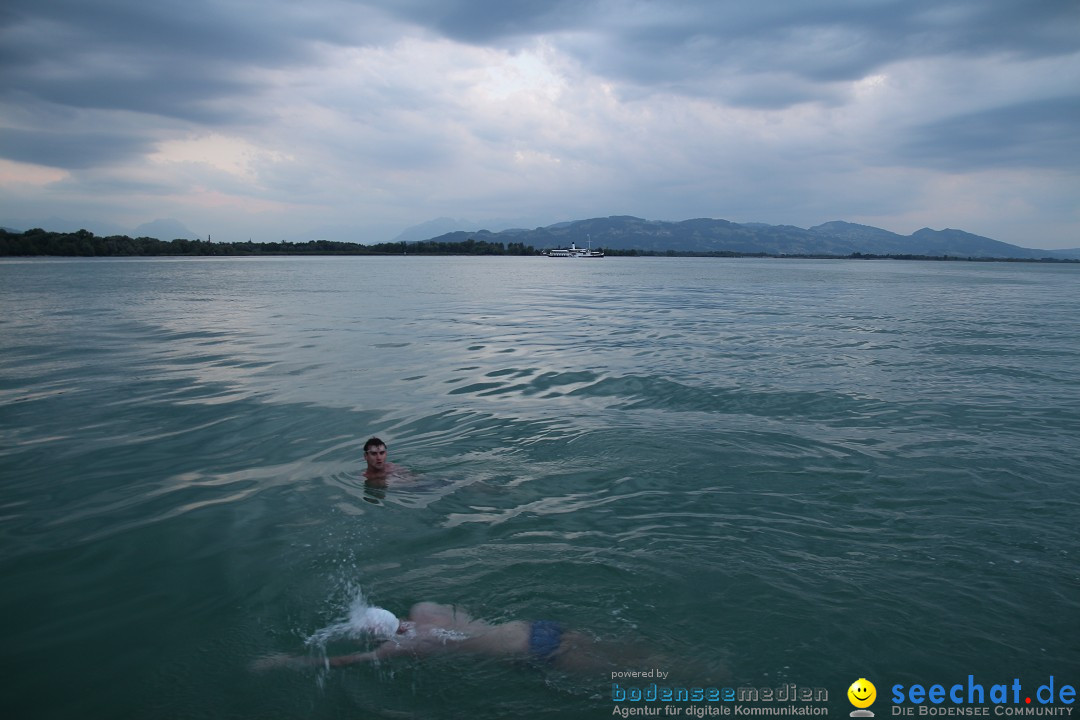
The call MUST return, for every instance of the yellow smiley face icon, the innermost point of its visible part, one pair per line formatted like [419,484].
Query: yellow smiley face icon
[862,693]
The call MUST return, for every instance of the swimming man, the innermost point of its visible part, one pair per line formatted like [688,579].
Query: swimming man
[378,467]
[434,629]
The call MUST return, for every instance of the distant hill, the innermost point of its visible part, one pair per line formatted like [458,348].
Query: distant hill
[623,232]
[55,223]
[445,226]
[432,228]
[958,243]
[164,229]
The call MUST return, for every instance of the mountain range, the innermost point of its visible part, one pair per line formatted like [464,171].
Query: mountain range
[162,228]
[701,235]
[706,235]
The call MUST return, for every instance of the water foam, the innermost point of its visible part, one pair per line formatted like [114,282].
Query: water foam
[351,627]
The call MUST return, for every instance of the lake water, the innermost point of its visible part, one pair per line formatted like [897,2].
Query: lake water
[769,471]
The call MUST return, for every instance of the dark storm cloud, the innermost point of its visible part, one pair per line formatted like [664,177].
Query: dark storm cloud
[199,62]
[268,33]
[1039,134]
[794,47]
[181,60]
[490,21]
[171,59]
[187,93]
[113,50]
[69,150]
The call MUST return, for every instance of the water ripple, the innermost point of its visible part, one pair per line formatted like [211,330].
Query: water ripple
[780,467]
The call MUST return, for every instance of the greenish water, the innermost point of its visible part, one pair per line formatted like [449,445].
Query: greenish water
[775,471]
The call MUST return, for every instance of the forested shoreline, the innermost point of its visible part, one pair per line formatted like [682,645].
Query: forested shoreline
[42,243]
[38,242]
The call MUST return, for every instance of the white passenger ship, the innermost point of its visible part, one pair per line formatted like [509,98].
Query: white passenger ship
[575,252]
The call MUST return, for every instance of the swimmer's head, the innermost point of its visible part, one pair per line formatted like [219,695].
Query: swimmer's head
[379,622]
[375,455]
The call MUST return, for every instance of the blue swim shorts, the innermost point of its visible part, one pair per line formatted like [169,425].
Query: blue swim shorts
[545,636]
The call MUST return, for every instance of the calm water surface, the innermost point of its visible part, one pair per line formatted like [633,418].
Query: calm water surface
[774,471]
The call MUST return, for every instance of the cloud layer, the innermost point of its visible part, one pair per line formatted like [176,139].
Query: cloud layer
[352,120]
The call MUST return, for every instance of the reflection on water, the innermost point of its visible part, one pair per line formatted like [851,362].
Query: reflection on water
[804,471]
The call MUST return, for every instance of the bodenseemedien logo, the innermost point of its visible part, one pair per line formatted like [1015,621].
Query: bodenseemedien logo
[862,694]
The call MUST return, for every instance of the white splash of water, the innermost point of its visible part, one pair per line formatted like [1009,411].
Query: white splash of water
[350,627]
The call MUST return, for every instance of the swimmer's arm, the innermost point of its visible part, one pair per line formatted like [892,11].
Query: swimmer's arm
[388,649]
[353,659]
[300,662]
[281,660]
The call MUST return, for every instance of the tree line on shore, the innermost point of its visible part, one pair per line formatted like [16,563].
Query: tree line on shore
[38,242]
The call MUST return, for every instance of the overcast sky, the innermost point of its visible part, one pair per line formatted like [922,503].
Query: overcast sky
[353,120]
